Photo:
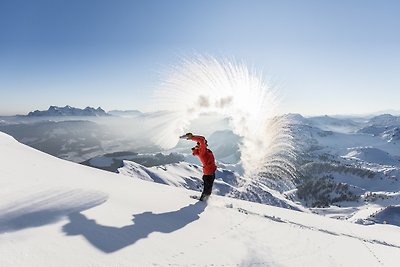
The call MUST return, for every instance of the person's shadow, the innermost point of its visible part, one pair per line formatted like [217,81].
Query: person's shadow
[110,239]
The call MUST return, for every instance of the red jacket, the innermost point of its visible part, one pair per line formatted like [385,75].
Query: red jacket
[206,156]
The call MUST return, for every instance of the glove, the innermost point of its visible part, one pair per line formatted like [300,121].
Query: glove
[187,136]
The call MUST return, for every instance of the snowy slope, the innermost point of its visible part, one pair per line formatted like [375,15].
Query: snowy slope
[372,155]
[189,176]
[58,213]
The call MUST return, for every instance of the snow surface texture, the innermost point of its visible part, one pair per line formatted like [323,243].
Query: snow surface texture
[58,213]
[205,84]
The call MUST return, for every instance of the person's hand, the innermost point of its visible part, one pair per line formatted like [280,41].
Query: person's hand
[187,136]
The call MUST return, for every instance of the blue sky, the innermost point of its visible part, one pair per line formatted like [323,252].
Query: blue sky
[326,57]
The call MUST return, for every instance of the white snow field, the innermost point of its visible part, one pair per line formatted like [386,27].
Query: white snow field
[58,213]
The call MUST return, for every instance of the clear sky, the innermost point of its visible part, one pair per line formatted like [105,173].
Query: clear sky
[326,57]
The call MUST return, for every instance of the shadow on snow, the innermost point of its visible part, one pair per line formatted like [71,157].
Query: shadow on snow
[46,208]
[110,239]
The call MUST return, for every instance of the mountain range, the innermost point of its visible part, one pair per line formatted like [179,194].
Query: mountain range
[58,213]
[68,111]
[347,168]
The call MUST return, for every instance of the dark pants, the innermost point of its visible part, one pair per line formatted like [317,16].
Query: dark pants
[208,184]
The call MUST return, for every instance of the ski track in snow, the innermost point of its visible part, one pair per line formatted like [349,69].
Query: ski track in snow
[361,239]
[208,240]
[274,219]
[280,220]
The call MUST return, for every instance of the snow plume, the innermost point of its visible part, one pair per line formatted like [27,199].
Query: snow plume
[205,84]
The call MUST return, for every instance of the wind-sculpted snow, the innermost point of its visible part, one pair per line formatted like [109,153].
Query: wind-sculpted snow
[46,207]
[207,85]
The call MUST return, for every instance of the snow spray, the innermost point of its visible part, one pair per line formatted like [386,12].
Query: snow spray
[204,84]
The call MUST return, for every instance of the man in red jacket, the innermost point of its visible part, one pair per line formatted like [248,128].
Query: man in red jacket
[207,159]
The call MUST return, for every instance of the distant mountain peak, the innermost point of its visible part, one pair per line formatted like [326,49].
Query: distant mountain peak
[385,120]
[68,111]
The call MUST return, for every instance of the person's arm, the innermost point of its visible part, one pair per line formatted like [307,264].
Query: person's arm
[202,141]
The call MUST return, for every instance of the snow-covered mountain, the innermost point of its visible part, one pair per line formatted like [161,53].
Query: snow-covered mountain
[385,120]
[328,123]
[76,140]
[113,161]
[351,175]
[227,183]
[346,166]
[346,174]
[68,111]
[58,213]
[72,140]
